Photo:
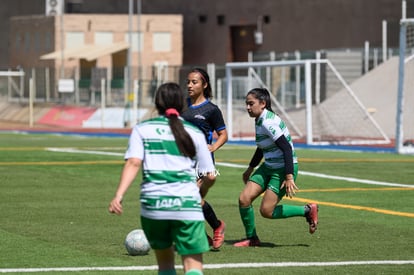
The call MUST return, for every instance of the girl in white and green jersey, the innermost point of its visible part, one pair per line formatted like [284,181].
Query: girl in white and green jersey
[169,149]
[275,177]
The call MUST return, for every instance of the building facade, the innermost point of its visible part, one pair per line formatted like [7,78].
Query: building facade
[221,31]
[39,41]
[88,48]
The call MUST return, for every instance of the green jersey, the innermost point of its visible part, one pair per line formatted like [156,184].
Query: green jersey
[168,189]
[269,127]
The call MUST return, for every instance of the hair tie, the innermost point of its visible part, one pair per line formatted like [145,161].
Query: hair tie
[171,112]
[202,76]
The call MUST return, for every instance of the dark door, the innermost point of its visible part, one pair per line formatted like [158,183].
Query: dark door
[242,41]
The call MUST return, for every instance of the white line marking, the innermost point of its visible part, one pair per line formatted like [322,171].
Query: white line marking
[374,182]
[318,175]
[72,150]
[205,266]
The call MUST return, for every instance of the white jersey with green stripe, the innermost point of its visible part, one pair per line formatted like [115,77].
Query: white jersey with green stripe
[269,127]
[168,188]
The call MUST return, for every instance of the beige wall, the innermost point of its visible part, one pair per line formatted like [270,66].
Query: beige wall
[89,24]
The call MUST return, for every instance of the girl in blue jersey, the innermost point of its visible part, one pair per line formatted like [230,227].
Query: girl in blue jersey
[208,117]
[276,176]
[168,148]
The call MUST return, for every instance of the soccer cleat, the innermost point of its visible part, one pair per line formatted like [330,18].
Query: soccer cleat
[312,217]
[248,242]
[218,238]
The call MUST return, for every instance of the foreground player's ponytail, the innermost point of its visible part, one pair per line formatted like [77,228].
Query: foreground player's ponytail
[169,101]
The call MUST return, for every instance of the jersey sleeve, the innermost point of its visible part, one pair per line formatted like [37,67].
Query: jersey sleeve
[273,128]
[135,145]
[216,120]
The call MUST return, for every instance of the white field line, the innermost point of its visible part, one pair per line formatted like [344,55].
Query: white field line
[205,266]
[318,175]
[374,182]
[216,266]
[72,150]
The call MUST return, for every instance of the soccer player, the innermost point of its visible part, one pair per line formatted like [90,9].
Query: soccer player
[208,117]
[168,148]
[275,176]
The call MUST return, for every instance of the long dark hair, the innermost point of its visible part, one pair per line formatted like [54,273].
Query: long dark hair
[169,96]
[262,95]
[208,92]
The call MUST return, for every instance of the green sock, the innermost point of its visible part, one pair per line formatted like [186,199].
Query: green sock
[167,272]
[247,216]
[287,211]
[194,272]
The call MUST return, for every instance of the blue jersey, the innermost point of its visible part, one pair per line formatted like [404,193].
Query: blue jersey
[206,116]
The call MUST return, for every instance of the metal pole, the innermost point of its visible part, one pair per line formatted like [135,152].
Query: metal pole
[47,84]
[308,88]
[134,115]
[318,79]
[384,40]
[103,99]
[366,59]
[31,99]
[139,91]
[9,87]
[297,78]
[62,46]
[400,96]
[129,58]
[229,101]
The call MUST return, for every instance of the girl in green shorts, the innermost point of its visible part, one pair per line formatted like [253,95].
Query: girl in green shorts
[276,176]
[168,148]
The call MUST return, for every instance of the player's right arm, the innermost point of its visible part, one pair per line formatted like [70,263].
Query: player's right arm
[257,157]
[129,172]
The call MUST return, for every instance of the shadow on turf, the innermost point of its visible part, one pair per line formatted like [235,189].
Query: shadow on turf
[267,244]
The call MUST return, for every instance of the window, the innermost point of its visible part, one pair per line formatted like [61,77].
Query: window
[27,42]
[202,18]
[48,41]
[37,43]
[74,40]
[221,19]
[103,38]
[161,42]
[18,41]
[134,44]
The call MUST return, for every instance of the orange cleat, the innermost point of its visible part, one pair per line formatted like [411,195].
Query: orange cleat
[312,217]
[248,242]
[218,238]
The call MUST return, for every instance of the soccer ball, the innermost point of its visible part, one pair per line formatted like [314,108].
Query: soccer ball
[136,243]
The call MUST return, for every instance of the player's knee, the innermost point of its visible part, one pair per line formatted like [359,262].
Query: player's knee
[266,213]
[244,201]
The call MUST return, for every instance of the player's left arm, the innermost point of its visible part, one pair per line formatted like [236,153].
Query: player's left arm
[289,181]
[217,122]
[222,138]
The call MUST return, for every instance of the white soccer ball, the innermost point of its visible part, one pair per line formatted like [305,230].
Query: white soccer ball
[136,243]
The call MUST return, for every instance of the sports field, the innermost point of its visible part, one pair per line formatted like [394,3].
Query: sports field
[55,189]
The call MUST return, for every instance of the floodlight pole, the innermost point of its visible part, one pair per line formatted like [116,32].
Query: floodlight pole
[139,91]
[62,45]
[130,11]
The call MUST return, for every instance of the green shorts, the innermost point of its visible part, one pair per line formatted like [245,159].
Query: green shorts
[272,179]
[189,237]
